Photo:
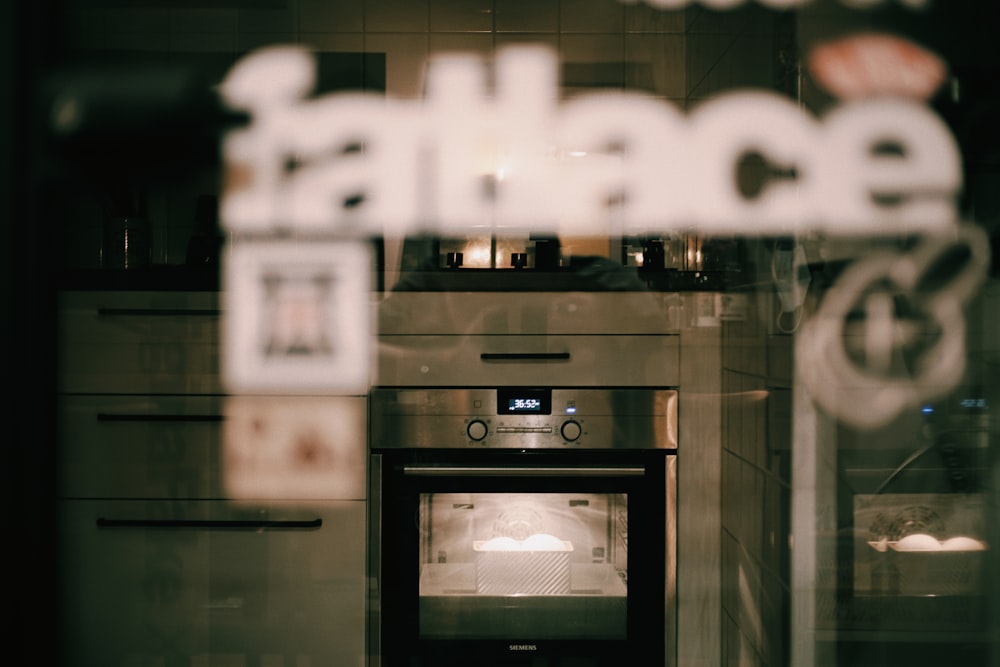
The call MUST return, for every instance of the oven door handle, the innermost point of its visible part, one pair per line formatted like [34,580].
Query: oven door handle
[522,471]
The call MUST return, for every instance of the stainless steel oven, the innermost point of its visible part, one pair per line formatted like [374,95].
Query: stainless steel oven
[908,572]
[522,526]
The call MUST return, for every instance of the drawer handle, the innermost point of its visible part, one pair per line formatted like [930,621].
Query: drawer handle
[211,524]
[161,312]
[524,356]
[113,417]
[521,471]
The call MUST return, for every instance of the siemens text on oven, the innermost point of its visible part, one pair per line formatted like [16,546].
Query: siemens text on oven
[523,647]
[512,155]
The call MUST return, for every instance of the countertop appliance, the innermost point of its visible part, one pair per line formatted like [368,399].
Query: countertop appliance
[522,526]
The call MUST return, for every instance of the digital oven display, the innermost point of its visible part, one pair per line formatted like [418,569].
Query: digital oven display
[524,401]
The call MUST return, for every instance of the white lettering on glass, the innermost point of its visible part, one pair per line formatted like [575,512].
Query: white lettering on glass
[886,307]
[469,158]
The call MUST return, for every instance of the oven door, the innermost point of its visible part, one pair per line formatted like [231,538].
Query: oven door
[522,557]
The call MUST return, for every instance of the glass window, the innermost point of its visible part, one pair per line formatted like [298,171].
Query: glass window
[536,565]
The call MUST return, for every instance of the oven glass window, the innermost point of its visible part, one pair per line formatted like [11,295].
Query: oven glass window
[539,565]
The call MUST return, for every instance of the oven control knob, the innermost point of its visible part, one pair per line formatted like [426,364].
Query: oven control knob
[476,429]
[571,430]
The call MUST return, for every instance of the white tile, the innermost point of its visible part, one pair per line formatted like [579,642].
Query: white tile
[515,38]
[592,48]
[591,16]
[396,15]
[750,18]
[722,62]
[461,15]
[333,41]
[468,42]
[331,16]
[406,57]
[643,18]
[662,57]
[527,15]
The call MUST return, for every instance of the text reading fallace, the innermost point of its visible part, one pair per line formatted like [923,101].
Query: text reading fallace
[512,155]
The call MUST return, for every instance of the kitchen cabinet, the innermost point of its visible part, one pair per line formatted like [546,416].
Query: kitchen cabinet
[596,339]
[157,563]
[187,582]
[138,342]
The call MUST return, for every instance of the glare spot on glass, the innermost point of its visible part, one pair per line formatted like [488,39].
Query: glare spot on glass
[66,115]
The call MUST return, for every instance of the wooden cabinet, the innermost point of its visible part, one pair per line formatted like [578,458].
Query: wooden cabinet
[158,565]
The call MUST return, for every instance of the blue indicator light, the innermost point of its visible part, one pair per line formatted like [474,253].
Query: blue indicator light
[570,410]
[927,410]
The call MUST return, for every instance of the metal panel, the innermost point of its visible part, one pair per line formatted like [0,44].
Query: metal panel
[437,417]
[481,360]
[540,313]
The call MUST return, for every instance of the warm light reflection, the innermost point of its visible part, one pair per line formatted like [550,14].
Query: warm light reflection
[534,542]
[751,394]
[477,253]
[924,542]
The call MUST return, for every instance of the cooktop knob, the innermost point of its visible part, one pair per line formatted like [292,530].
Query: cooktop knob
[476,429]
[571,430]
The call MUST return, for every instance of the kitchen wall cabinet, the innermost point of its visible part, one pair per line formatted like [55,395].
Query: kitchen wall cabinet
[157,565]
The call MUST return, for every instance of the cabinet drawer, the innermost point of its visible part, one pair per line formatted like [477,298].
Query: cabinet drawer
[140,446]
[257,447]
[139,342]
[597,361]
[206,582]
[485,313]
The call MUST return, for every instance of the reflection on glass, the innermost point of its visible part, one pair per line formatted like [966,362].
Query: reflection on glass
[476,251]
[558,562]
[485,252]
[919,544]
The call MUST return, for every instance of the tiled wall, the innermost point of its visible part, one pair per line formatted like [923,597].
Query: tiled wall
[681,56]
[756,478]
